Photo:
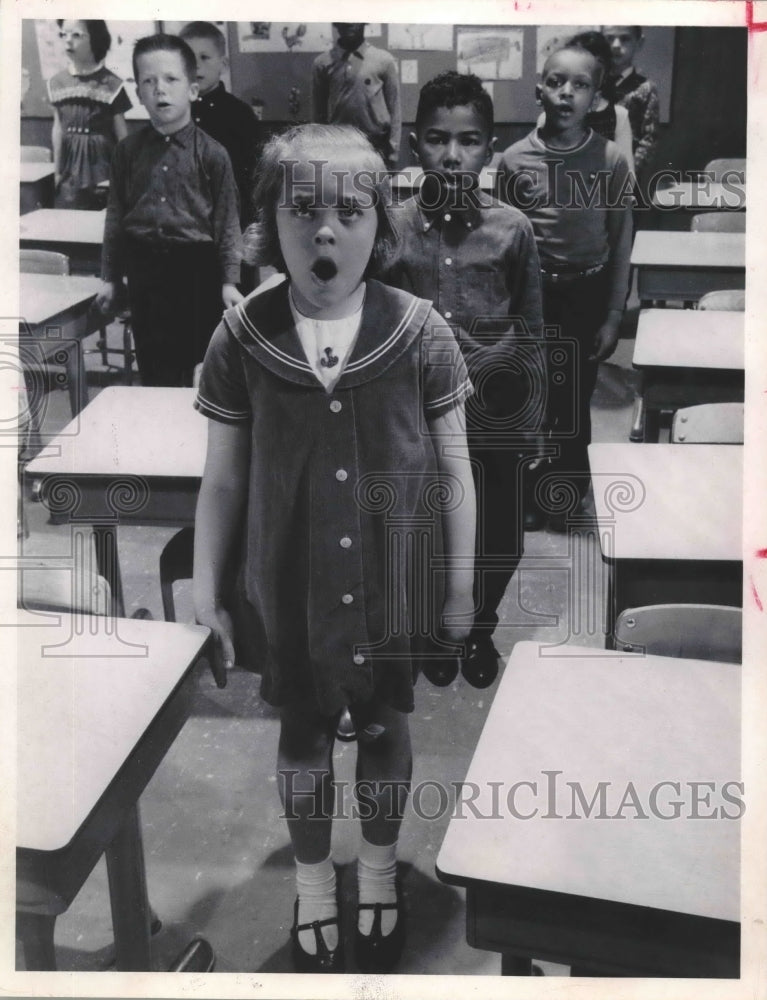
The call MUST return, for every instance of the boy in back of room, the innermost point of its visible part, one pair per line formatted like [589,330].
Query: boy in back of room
[627,87]
[576,189]
[355,83]
[476,259]
[222,115]
[172,222]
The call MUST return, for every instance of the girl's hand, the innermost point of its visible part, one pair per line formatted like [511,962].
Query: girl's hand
[219,622]
[457,616]
[231,296]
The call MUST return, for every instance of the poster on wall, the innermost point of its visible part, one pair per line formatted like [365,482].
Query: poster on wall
[173,28]
[550,37]
[124,35]
[437,37]
[283,36]
[491,53]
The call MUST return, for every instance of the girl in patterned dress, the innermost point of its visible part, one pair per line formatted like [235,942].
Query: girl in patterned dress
[89,104]
[337,437]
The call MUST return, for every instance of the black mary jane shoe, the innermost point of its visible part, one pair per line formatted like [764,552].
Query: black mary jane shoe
[375,952]
[324,960]
[441,672]
[480,668]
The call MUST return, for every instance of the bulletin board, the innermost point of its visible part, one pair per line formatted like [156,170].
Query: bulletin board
[271,62]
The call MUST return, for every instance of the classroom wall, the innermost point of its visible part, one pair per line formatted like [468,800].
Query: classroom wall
[706,110]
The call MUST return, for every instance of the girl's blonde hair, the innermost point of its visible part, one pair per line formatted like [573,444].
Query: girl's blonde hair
[308,143]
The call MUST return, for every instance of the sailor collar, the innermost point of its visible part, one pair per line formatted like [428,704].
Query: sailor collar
[391,320]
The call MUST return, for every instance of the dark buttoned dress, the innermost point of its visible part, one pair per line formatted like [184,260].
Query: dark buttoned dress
[343,536]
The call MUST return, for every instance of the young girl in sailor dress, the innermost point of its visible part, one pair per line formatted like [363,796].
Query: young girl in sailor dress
[337,435]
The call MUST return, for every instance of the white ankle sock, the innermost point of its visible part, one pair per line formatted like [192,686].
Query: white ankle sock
[316,887]
[376,873]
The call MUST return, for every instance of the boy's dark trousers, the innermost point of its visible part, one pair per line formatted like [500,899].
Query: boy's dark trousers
[175,298]
[577,307]
[497,478]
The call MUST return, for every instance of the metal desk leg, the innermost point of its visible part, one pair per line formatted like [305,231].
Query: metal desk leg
[76,377]
[108,562]
[128,897]
[511,965]
[638,416]
[35,931]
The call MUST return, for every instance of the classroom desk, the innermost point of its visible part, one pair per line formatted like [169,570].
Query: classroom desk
[701,196]
[100,702]
[35,186]
[77,234]
[57,308]
[631,897]
[134,455]
[674,265]
[670,523]
[688,356]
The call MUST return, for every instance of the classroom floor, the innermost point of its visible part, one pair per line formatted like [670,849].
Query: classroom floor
[218,858]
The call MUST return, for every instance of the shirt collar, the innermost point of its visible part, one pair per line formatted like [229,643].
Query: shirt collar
[218,91]
[469,217]
[73,72]
[359,52]
[181,138]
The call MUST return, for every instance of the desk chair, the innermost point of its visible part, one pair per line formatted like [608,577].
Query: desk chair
[708,423]
[123,317]
[721,168]
[694,631]
[49,374]
[718,222]
[36,154]
[726,300]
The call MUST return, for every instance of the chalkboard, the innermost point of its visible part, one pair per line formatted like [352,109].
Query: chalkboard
[271,62]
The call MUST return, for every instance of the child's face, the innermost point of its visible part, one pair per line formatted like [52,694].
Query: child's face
[210,63]
[624,45]
[453,142]
[568,88]
[77,42]
[350,36]
[165,90]
[327,229]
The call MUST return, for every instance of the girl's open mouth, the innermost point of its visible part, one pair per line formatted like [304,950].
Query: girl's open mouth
[324,269]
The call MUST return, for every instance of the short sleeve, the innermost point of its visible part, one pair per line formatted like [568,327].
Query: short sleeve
[223,391]
[445,380]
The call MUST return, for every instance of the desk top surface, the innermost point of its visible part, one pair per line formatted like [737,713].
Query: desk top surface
[631,722]
[44,296]
[130,430]
[673,249]
[62,225]
[31,172]
[690,338]
[669,501]
[702,195]
[87,690]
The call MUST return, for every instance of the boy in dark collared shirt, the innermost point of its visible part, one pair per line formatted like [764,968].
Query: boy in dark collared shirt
[476,259]
[355,83]
[172,221]
[222,115]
